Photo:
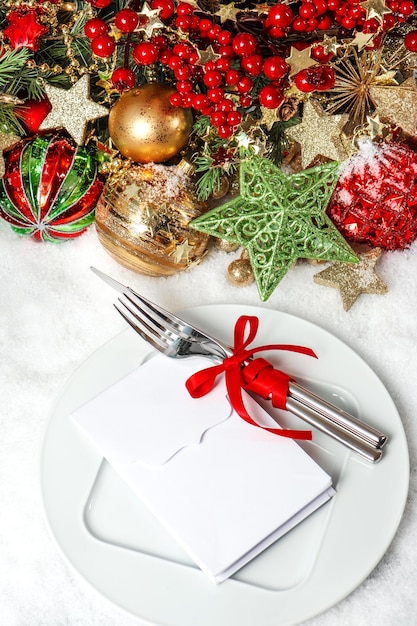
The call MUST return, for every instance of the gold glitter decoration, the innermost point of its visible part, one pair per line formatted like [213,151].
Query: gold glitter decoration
[269,117]
[361,40]
[145,127]
[299,60]
[353,279]
[330,44]
[355,75]
[6,141]
[319,134]
[375,9]
[204,56]
[240,272]
[398,104]
[227,12]
[151,22]
[142,220]
[72,109]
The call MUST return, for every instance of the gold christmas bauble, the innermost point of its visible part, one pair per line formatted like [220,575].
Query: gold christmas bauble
[142,220]
[145,127]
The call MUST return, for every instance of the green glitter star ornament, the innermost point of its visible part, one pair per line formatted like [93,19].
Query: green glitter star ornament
[279,218]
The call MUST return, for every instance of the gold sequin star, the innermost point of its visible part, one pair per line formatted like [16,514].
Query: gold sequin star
[299,60]
[227,12]
[353,279]
[182,251]
[151,21]
[269,117]
[72,109]
[375,9]
[319,134]
[6,141]
[330,44]
[397,104]
[361,40]
[207,55]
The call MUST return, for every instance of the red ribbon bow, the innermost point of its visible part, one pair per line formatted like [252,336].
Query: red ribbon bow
[256,375]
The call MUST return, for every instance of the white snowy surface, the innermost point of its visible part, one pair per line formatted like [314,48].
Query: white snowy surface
[55,313]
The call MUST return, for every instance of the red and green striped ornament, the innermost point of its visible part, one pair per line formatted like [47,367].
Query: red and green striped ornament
[50,188]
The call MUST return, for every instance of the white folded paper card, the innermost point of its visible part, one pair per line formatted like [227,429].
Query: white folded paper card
[225,489]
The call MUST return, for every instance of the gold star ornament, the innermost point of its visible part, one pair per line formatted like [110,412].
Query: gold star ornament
[6,141]
[72,109]
[397,104]
[299,60]
[353,279]
[319,134]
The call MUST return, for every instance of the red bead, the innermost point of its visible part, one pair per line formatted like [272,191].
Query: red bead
[225,105]
[100,4]
[184,86]
[95,27]
[245,85]
[244,44]
[214,32]
[299,25]
[234,118]
[175,62]
[103,46]
[388,21]
[252,64]
[182,50]
[224,38]
[406,8]
[33,113]
[212,78]
[226,52]
[200,102]
[245,101]
[280,15]
[232,77]
[225,131]
[307,10]
[303,83]
[348,22]
[218,118]
[123,79]
[167,8]
[126,20]
[276,32]
[182,73]
[223,65]
[187,100]
[318,54]
[410,41]
[270,97]
[215,95]
[205,25]
[145,53]
[183,22]
[321,6]
[184,9]
[175,99]
[275,68]
[324,23]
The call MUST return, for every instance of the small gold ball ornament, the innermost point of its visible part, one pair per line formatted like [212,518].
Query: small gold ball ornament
[145,127]
[142,220]
[240,271]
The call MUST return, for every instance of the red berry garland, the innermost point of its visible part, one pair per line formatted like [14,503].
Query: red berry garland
[375,199]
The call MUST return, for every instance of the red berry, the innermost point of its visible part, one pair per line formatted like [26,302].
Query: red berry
[225,105]
[225,131]
[244,44]
[167,8]
[145,53]
[183,22]
[319,54]
[275,68]
[224,38]
[95,27]
[184,9]
[218,118]
[103,46]
[406,8]
[182,50]
[280,15]
[307,10]
[245,101]
[388,21]
[245,85]
[232,77]
[175,99]
[123,79]
[303,83]
[215,95]
[234,118]
[410,41]
[226,52]
[270,97]
[184,86]
[100,4]
[200,101]
[182,73]
[324,23]
[205,25]
[212,78]
[252,64]
[276,32]
[126,20]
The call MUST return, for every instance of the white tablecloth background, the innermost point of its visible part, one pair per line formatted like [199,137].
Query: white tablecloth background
[54,313]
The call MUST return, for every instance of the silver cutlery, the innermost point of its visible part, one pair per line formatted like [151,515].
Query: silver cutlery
[176,338]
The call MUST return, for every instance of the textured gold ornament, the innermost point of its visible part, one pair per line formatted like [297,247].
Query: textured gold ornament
[142,220]
[299,60]
[319,134]
[397,104]
[72,109]
[146,128]
[227,12]
[240,272]
[375,9]
[353,279]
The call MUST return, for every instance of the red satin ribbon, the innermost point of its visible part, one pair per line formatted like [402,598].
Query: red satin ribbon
[258,376]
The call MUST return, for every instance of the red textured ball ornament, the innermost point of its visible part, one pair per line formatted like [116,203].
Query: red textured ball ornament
[50,188]
[375,199]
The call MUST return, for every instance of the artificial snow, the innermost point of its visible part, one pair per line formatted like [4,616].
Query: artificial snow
[55,313]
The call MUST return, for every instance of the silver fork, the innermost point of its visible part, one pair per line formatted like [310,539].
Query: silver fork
[176,338]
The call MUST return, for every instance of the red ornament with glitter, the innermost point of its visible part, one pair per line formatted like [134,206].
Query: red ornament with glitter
[375,199]
[24,29]
[50,188]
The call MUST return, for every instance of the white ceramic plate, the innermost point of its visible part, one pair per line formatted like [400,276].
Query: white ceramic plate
[115,544]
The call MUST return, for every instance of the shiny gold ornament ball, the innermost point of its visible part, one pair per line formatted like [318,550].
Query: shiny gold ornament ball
[146,128]
[142,220]
[240,273]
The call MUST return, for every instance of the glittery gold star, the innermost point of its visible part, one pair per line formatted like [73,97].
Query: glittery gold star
[362,40]
[374,127]
[151,20]
[269,117]
[353,279]
[319,134]
[207,55]
[182,251]
[375,9]
[397,104]
[72,109]
[6,141]
[299,60]
[330,44]
[227,12]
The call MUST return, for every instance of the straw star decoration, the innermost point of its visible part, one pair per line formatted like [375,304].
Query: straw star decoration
[279,219]
[72,109]
[353,279]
